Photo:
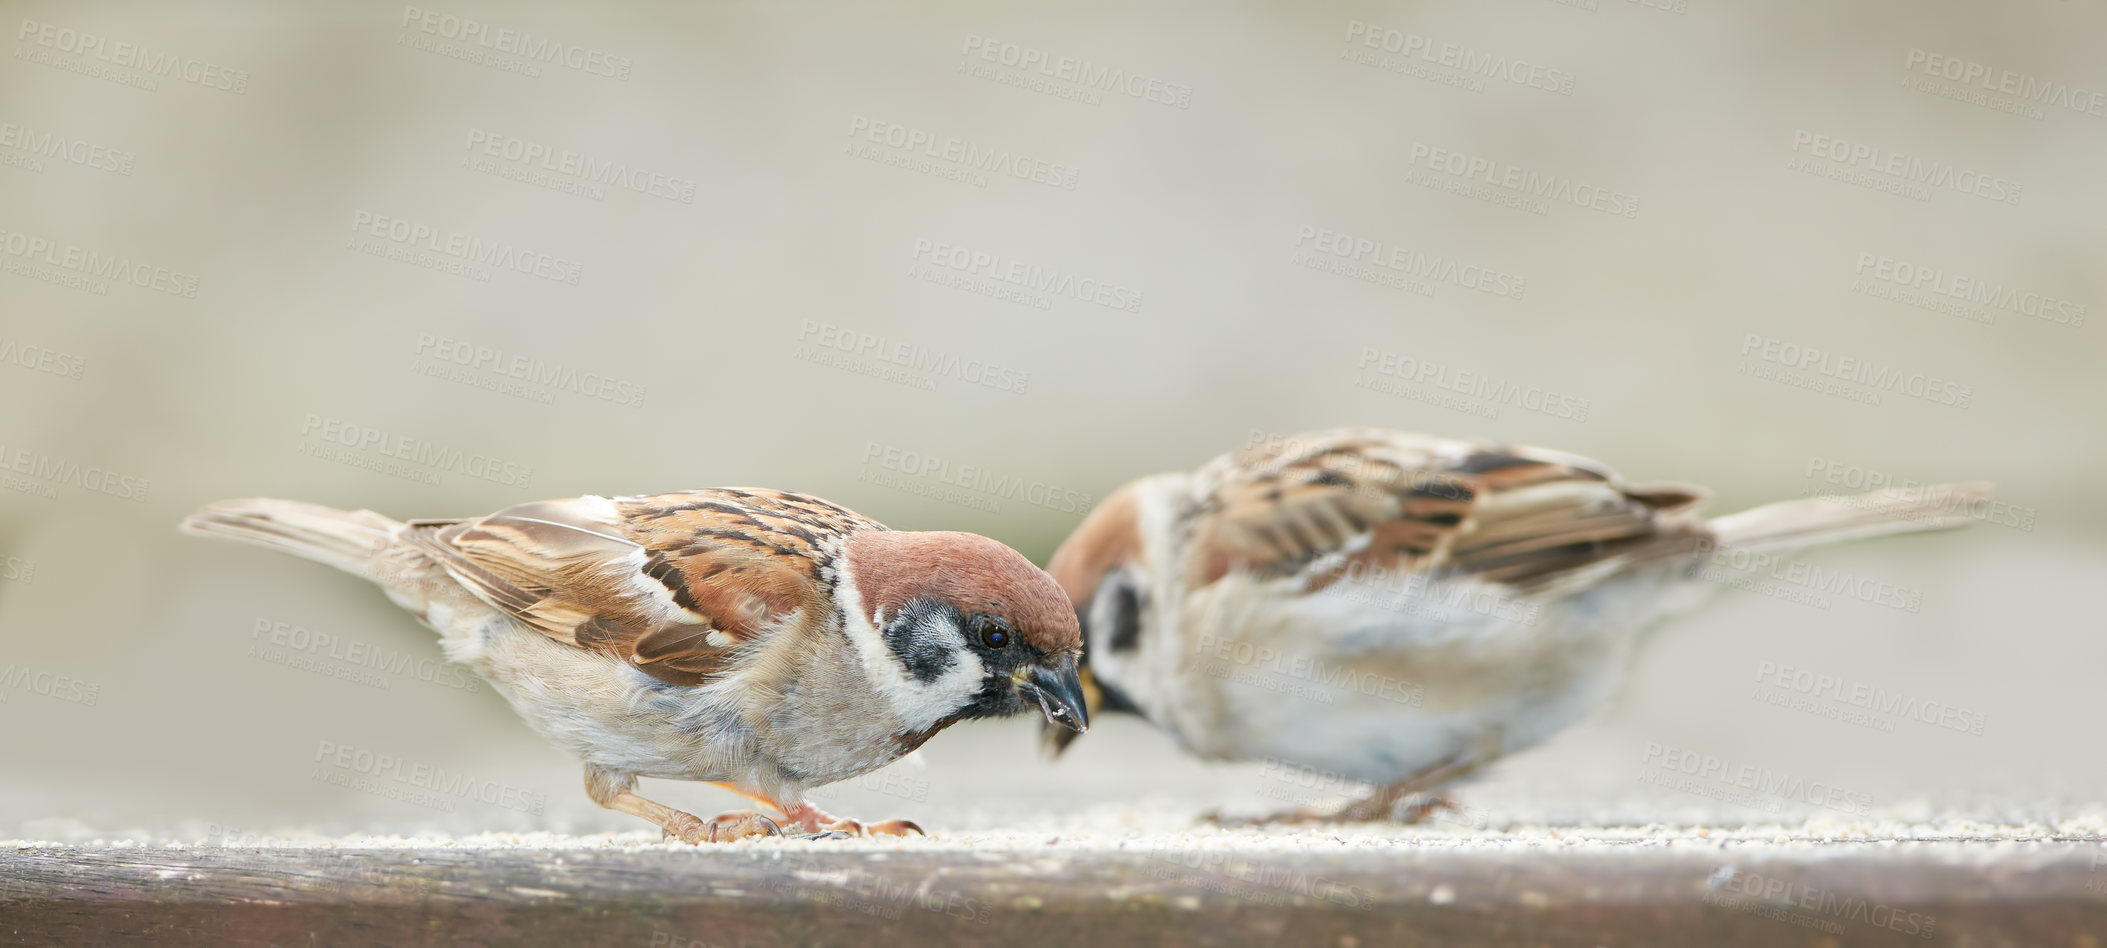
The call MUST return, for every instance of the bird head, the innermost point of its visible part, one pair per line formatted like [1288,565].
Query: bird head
[954,626]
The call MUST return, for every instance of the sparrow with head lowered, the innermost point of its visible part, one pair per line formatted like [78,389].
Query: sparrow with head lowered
[763,640]
[1401,610]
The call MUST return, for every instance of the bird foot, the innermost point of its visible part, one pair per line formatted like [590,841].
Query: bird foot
[723,828]
[893,828]
[1425,809]
[1284,817]
[1373,811]
[812,819]
[1359,811]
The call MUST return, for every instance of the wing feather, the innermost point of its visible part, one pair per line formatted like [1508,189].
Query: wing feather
[1307,509]
[673,583]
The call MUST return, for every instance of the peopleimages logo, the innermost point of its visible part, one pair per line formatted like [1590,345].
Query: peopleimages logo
[1720,773]
[519,43]
[47,684]
[1775,897]
[33,356]
[96,265]
[325,435]
[1412,263]
[127,55]
[585,169]
[970,156]
[1859,694]
[910,357]
[531,370]
[1474,384]
[462,248]
[973,477]
[2018,85]
[1329,682]
[1523,182]
[1911,496]
[1460,58]
[1081,72]
[324,653]
[1908,168]
[45,144]
[1026,276]
[1854,371]
[1963,288]
[387,775]
[39,471]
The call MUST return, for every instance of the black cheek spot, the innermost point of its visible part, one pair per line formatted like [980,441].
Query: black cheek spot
[1125,634]
[916,635]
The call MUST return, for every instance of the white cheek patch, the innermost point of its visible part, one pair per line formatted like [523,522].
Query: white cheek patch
[952,690]
[919,704]
[1161,588]
[1108,665]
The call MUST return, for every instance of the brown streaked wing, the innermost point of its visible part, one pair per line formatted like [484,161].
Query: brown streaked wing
[1317,505]
[587,571]
[749,559]
[1278,508]
[775,521]
[552,564]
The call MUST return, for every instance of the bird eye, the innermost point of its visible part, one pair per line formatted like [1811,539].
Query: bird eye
[992,634]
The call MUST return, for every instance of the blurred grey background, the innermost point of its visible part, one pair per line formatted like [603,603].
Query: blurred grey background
[971,267]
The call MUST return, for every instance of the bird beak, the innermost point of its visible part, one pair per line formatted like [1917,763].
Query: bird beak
[1055,739]
[1059,693]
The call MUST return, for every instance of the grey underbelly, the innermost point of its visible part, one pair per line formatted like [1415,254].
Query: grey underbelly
[1382,737]
[1379,691]
[613,716]
[604,712]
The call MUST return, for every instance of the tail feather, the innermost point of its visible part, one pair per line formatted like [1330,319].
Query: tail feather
[1793,524]
[345,539]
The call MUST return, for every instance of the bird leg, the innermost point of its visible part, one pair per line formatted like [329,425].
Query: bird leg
[1378,804]
[616,792]
[812,819]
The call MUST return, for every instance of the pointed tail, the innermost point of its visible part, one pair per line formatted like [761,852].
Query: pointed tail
[1793,524]
[345,539]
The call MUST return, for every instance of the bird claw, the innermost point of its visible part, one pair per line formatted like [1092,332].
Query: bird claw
[685,827]
[1290,817]
[1425,809]
[842,825]
[723,828]
[894,828]
[816,821]
[1357,812]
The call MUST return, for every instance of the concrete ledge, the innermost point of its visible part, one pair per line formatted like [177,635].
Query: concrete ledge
[1217,889]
